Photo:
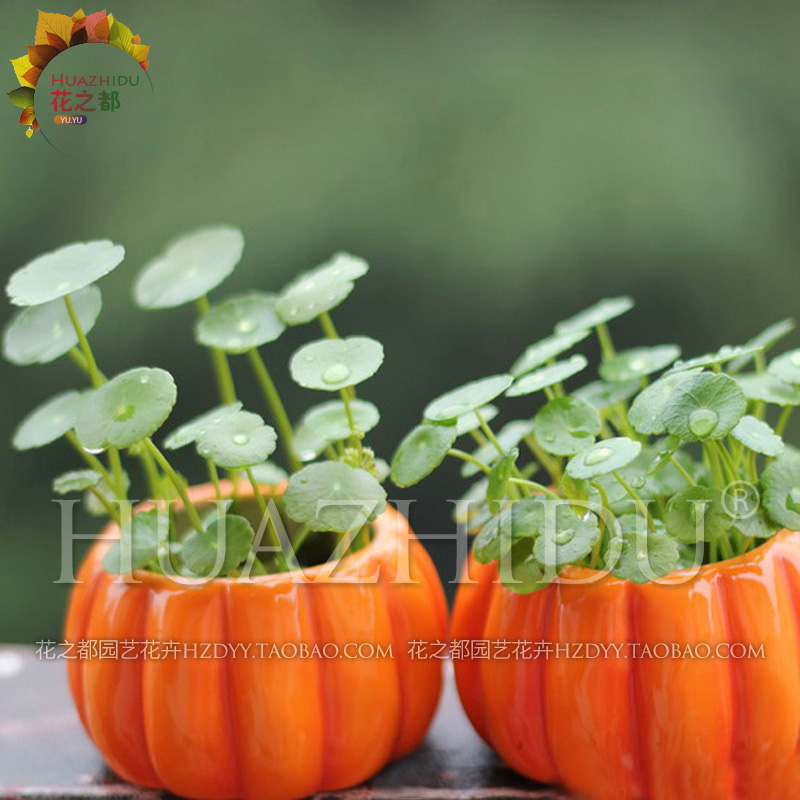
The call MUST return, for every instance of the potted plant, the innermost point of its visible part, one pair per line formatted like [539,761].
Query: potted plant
[261,621]
[627,622]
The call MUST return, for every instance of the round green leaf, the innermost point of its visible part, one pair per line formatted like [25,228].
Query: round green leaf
[237,440]
[646,413]
[306,444]
[48,421]
[189,431]
[565,536]
[320,290]
[603,395]
[466,399]
[527,573]
[547,349]
[232,533]
[499,477]
[765,340]
[756,526]
[240,323]
[470,422]
[641,555]
[126,409]
[547,376]
[332,496]
[523,519]
[598,314]
[706,406]
[421,452]
[76,481]
[758,436]
[637,363]
[189,268]
[566,426]
[269,474]
[724,354]
[781,490]
[333,364]
[786,366]
[62,272]
[769,389]
[138,544]
[41,334]
[329,420]
[603,458]
[697,514]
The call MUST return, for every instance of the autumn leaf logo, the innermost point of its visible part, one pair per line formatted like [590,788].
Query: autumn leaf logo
[54,34]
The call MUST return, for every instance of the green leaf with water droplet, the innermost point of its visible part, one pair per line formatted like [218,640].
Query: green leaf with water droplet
[138,544]
[639,555]
[48,421]
[527,575]
[519,520]
[565,536]
[510,435]
[547,376]
[333,364]
[697,514]
[240,323]
[638,362]
[422,450]
[41,334]
[306,444]
[321,289]
[704,407]
[566,426]
[269,474]
[498,479]
[598,314]
[125,410]
[233,534]
[758,436]
[780,482]
[333,496]
[603,395]
[543,351]
[765,340]
[62,272]
[470,422]
[237,441]
[329,420]
[769,389]
[603,458]
[786,366]
[189,431]
[723,355]
[76,481]
[646,413]
[190,267]
[466,399]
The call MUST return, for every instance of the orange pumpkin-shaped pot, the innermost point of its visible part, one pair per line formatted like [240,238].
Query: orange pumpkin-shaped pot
[261,727]
[641,725]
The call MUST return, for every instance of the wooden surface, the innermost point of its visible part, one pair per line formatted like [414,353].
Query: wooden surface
[44,752]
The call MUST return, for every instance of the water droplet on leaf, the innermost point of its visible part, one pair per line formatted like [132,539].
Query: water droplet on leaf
[336,373]
[598,456]
[703,421]
[241,438]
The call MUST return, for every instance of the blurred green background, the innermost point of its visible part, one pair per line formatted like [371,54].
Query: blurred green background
[500,164]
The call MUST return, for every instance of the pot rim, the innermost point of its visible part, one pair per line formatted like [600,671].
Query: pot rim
[387,525]
[687,574]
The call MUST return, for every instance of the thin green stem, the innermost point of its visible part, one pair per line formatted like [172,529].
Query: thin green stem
[214,475]
[355,437]
[538,487]
[276,406]
[489,433]
[640,504]
[262,505]
[177,482]
[78,358]
[91,365]
[328,328]
[683,471]
[151,473]
[109,507]
[606,345]
[219,360]
[89,458]
[783,420]
[470,459]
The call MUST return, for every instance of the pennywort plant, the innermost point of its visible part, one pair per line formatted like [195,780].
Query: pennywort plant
[657,464]
[332,478]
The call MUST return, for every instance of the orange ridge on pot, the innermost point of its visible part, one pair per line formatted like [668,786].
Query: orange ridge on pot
[644,728]
[259,728]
